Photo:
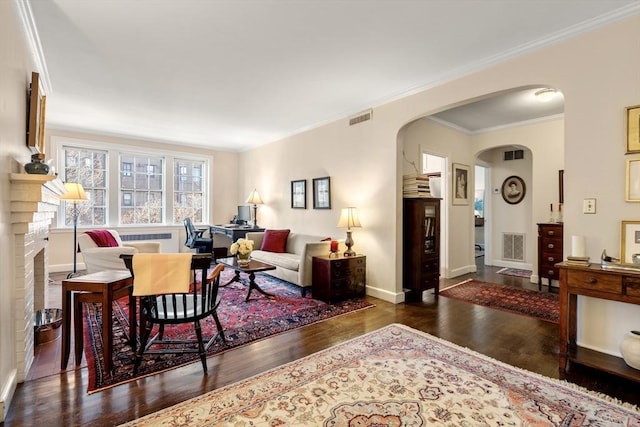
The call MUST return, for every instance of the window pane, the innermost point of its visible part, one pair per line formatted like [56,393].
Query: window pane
[188,190]
[141,189]
[89,168]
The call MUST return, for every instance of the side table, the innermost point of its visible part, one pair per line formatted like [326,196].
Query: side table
[338,278]
[104,287]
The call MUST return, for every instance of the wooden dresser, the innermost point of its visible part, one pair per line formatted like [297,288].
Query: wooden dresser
[549,251]
[592,281]
[336,279]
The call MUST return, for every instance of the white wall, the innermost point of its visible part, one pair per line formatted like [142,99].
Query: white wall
[598,78]
[16,65]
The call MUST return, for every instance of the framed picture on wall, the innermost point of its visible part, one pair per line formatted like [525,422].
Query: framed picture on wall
[632,187]
[36,111]
[299,194]
[629,241]
[633,129]
[460,187]
[321,193]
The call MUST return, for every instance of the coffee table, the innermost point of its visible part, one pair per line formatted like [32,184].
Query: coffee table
[253,268]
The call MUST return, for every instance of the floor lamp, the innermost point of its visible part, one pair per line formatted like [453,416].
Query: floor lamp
[255,200]
[75,193]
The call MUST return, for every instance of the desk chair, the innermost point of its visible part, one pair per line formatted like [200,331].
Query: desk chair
[195,239]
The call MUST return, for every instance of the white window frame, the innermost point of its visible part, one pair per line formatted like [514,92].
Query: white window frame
[114,200]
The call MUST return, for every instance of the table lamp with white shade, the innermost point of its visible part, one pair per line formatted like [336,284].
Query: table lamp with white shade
[349,219]
[255,200]
[75,193]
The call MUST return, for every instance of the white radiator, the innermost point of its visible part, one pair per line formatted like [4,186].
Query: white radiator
[169,240]
[513,247]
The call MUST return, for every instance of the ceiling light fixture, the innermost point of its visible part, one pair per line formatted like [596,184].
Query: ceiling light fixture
[545,95]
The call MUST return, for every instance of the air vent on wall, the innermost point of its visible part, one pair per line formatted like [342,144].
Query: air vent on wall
[362,117]
[514,155]
[513,246]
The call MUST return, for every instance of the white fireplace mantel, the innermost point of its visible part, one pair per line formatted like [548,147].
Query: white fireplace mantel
[34,202]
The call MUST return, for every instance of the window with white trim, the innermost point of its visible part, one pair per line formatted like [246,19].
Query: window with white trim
[90,169]
[146,187]
[154,187]
[188,191]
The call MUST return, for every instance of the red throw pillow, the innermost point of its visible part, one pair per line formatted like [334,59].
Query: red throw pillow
[275,241]
[103,238]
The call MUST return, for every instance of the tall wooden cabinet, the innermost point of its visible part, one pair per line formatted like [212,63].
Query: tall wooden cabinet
[549,251]
[421,246]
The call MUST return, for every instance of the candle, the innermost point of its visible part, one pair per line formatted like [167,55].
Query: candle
[578,246]
[334,246]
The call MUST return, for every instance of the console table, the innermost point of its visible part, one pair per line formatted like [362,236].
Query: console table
[592,281]
[234,232]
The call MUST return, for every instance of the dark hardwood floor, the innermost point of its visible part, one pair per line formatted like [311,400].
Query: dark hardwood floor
[61,399]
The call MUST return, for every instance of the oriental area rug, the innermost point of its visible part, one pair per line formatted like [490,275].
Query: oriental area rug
[541,305]
[243,323]
[397,376]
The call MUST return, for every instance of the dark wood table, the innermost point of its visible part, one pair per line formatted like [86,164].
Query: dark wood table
[253,268]
[234,232]
[103,287]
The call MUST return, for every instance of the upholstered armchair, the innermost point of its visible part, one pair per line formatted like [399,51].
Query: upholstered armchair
[101,250]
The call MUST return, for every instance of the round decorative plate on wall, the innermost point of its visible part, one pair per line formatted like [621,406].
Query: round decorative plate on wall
[513,190]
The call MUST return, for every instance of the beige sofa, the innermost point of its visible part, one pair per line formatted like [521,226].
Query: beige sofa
[294,265]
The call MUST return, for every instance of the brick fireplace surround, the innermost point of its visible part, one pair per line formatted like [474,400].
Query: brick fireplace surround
[34,202]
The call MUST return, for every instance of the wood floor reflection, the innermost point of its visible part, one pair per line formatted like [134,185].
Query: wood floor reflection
[60,398]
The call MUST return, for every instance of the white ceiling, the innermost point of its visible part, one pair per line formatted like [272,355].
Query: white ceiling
[231,74]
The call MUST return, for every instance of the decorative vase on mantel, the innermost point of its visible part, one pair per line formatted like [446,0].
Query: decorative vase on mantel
[36,166]
[244,259]
[630,349]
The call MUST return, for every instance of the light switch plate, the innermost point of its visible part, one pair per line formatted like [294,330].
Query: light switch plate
[589,206]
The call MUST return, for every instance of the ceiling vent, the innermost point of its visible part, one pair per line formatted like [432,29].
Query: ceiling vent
[514,155]
[363,117]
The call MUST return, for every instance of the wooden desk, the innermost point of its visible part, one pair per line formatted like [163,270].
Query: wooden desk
[235,232]
[103,287]
[592,281]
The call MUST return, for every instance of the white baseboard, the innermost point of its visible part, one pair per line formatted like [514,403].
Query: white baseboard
[392,297]
[62,268]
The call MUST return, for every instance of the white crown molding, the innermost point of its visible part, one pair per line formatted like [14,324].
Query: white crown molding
[451,75]
[24,9]
[494,128]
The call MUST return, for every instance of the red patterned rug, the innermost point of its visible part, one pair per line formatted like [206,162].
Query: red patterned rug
[397,376]
[243,322]
[541,305]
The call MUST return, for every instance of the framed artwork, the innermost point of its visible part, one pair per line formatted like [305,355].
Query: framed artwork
[460,188]
[299,194]
[321,193]
[632,187]
[629,241]
[513,190]
[633,129]
[561,186]
[36,111]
